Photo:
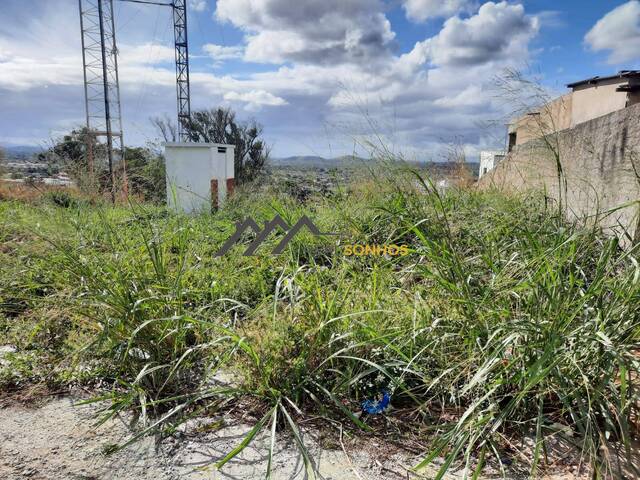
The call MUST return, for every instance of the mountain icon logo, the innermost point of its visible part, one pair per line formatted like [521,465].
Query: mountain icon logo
[277,224]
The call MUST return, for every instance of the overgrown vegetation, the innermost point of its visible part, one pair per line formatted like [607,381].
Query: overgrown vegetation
[503,322]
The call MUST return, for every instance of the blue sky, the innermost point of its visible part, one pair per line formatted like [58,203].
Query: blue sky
[324,77]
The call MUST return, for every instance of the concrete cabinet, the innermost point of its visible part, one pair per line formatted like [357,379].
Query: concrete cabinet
[200,176]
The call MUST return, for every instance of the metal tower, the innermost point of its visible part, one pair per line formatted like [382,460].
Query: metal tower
[182,65]
[101,83]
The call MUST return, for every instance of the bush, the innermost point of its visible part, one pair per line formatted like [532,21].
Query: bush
[61,198]
[146,174]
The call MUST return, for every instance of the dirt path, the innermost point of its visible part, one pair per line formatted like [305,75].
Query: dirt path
[58,441]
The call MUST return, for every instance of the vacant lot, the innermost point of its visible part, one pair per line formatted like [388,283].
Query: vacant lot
[502,339]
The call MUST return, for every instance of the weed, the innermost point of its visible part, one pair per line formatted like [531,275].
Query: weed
[504,321]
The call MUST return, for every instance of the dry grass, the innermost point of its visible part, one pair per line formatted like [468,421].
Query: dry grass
[30,192]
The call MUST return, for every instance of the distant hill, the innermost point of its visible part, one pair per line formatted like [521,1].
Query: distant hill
[21,152]
[313,161]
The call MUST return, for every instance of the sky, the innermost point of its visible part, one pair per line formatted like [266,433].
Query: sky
[323,77]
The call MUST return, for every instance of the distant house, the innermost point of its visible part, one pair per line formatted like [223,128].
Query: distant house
[588,99]
[489,160]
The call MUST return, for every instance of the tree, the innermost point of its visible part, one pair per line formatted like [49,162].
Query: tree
[168,130]
[146,173]
[70,153]
[219,125]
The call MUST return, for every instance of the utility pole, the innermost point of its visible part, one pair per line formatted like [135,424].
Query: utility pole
[101,85]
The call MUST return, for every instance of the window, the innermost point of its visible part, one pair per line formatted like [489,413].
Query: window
[512,140]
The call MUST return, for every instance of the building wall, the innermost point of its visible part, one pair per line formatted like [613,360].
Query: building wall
[552,117]
[585,103]
[488,161]
[600,158]
[593,101]
[197,175]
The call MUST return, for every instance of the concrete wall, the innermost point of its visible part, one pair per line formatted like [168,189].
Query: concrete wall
[195,172]
[585,103]
[593,101]
[598,158]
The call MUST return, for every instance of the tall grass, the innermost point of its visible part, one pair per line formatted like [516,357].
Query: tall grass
[504,322]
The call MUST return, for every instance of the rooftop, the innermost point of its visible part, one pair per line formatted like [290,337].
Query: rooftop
[595,80]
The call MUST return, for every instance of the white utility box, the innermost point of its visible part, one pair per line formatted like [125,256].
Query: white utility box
[200,176]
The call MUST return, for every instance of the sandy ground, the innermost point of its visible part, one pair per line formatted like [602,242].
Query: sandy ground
[59,441]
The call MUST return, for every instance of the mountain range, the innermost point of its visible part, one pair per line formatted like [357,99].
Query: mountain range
[20,152]
[313,161]
[25,152]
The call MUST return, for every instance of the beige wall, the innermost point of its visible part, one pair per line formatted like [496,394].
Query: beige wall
[593,101]
[585,103]
[552,117]
[599,157]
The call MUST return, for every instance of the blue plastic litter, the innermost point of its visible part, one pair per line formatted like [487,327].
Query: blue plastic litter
[375,407]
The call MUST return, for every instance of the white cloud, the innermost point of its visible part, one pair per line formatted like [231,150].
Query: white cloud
[551,19]
[145,54]
[497,31]
[20,72]
[223,52]
[197,5]
[255,99]
[470,96]
[421,10]
[618,32]
[313,31]
[33,67]
[439,89]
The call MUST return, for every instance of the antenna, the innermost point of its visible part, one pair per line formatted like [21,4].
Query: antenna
[101,84]
[181,43]
[182,66]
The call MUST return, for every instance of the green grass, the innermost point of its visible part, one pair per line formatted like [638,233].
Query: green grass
[504,320]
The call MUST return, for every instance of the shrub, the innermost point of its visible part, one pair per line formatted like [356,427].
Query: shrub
[61,198]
